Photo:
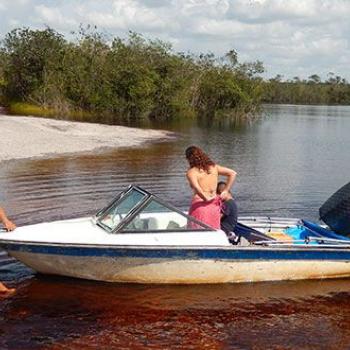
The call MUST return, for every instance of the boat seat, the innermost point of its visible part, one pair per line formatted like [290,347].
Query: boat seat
[165,222]
[153,224]
[158,223]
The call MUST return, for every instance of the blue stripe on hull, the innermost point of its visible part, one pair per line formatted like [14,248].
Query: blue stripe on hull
[183,253]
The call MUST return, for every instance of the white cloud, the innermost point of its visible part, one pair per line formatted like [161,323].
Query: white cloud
[124,14]
[14,22]
[53,17]
[202,8]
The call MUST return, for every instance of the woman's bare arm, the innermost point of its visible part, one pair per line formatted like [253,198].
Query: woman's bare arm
[193,180]
[229,173]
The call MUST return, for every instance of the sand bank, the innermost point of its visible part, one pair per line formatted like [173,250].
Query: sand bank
[27,137]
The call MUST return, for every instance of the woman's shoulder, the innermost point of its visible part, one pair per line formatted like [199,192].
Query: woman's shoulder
[197,171]
[191,171]
[213,169]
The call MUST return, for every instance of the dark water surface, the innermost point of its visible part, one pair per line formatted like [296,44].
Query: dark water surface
[288,163]
[55,313]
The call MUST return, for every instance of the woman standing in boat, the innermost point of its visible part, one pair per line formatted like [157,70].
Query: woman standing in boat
[203,177]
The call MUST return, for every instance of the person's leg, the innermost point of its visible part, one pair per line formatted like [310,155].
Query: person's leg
[234,213]
[4,289]
[233,238]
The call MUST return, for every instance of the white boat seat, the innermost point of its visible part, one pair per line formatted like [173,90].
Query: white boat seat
[164,221]
[152,224]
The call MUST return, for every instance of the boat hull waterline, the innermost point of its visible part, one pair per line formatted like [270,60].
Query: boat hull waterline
[183,266]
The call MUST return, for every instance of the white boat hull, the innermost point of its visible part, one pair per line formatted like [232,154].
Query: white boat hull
[79,248]
[178,271]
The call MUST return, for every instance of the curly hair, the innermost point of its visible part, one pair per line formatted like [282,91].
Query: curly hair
[197,158]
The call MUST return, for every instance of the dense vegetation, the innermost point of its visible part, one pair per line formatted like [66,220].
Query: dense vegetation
[333,91]
[131,78]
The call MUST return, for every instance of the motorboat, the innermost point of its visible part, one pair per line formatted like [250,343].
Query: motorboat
[140,238]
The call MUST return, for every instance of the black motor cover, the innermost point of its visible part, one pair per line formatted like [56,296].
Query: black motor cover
[335,212]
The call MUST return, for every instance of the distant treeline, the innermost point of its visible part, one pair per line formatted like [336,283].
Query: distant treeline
[333,91]
[130,78]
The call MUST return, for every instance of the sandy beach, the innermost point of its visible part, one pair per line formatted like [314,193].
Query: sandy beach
[29,137]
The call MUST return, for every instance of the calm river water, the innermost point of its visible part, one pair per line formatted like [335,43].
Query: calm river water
[288,162]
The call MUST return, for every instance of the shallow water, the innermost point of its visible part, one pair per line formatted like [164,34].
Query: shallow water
[60,313]
[288,164]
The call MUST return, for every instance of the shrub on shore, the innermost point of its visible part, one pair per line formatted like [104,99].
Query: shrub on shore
[312,91]
[130,79]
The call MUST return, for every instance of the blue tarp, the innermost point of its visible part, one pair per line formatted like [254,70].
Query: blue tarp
[323,231]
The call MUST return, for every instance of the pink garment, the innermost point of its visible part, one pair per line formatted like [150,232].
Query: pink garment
[208,212]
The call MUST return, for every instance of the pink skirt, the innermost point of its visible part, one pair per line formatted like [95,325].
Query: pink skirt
[207,212]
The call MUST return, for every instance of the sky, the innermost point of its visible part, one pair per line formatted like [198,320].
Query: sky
[291,37]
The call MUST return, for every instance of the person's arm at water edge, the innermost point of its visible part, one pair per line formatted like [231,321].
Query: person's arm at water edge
[8,224]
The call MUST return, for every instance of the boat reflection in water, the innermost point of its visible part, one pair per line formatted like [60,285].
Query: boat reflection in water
[54,312]
[139,238]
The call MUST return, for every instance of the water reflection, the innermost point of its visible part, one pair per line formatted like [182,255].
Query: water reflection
[57,313]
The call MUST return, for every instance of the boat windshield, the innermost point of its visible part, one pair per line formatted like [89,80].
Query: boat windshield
[136,210]
[156,216]
[118,210]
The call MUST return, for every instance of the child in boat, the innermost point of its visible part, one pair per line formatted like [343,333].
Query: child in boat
[229,213]
[9,226]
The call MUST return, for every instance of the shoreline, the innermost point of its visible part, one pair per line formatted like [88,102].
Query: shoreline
[25,137]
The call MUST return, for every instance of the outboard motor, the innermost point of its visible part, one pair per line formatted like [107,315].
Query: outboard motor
[335,212]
